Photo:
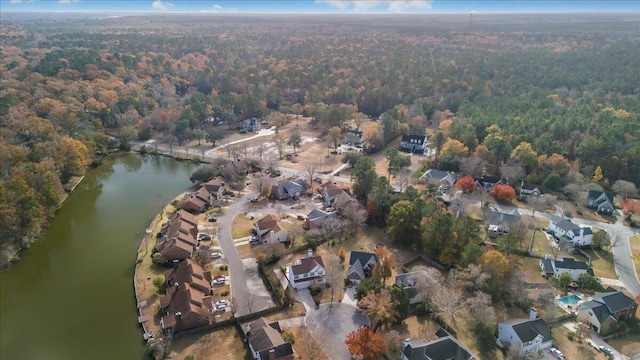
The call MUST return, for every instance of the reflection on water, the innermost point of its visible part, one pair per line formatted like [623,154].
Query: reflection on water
[71,294]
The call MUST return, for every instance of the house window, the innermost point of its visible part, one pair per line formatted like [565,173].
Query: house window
[297,276]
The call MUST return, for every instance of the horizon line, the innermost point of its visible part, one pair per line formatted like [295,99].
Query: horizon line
[208,12]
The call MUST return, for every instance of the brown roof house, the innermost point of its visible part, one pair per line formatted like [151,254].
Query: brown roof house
[306,272]
[604,310]
[177,238]
[215,187]
[185,307]
[331,192]
[266,342]
[197,202]
[190,272]
[268,230]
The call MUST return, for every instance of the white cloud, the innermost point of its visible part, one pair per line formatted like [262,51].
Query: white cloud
[161,5]
[67,1]
[217,7]
[16,1]
[392,5]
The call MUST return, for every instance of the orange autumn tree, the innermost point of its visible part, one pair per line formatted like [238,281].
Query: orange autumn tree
[466,184]
[366,344]
[503,192]
[385,262]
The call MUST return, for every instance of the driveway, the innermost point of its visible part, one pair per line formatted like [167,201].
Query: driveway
[247,289]
[595,341]
[330,325]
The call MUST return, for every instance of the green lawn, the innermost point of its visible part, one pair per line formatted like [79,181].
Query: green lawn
[602,263]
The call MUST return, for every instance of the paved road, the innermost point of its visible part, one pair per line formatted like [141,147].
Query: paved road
[595,341]
[248,295]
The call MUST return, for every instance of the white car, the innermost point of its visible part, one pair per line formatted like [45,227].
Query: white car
[219,281]
[216,255]
[557,353]
[222,303]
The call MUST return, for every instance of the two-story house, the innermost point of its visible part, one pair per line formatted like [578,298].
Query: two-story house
[602,201]
[360,266]
[605,310]
[331,192]
[525,336]
[529,189]
[190,272]
[307,272]
[317,218]
[566,230]
[444,179]
[177,238]
[185,307]
[550,267]
[197,202]
[413,143]
[445,347]
[266,342]
[269,230]
[487,183]
[215,187]
[500,220]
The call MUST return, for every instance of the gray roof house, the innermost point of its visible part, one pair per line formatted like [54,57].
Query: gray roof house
[500,220]
[413,143]
[565,229]
[525,336]
[604,310]
[529,189]
[444,179]
[556,267]
[360,266]
[287,189]
[317,218]
[445,347]
[415,283]
[602,201]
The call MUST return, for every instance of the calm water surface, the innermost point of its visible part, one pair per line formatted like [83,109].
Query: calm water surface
[71,294]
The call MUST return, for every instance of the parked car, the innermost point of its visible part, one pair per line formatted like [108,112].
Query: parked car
[212,219]
[254,200]
[606,350]
[557,353]
[243,131]
[317,196]
[219,281]
[216,255]
[295,198]
[222,302]
[301,216]
[330,209]
[204,236]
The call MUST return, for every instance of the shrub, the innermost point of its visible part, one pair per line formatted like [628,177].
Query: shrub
[570,336]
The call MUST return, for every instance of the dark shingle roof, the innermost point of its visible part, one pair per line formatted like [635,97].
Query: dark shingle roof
[444,348]
[599,310]
[362,257]
[547,266]
[528,186]
[569,263]
[417,139]
[527,330]
[564,224]
[614,301]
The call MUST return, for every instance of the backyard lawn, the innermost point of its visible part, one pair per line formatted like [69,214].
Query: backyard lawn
[242,226]
[602,263]
[222,344]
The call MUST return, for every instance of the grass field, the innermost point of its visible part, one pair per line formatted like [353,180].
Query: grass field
[602,263]
[223,344]
[241,226]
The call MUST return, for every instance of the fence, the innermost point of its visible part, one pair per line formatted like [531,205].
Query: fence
[421,258]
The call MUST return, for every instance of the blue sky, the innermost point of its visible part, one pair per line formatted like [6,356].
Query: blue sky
[326,6]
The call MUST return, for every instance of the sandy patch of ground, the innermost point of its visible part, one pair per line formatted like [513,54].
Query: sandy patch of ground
[223,344]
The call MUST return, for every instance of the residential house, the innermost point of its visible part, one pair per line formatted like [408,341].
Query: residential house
[605,310]
[413,143]
[177,238]
[416,284]
[353,138]
[331,192]
[602,201]
[215,187]
[197,202]
[445,347]
[488,182]
[444,179]
[317,218]
[242,167]
[564,229]
[556,267]
[360,266]
[307,272]
[500,220]
[250,125]
[190,272]
[266,342]
[185,307]
[269,230]
[525,336]
[529,189]
[288,189]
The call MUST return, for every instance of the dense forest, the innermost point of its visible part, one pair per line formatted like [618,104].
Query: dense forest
[555,95]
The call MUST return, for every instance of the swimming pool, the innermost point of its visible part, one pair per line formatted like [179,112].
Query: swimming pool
[569,299]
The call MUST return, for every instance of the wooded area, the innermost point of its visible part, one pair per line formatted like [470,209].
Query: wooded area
[543,97]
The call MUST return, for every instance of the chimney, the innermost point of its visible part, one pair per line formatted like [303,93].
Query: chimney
[310,253]
[533,313]
[272,354]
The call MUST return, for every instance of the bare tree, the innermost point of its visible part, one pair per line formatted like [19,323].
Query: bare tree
[245,148]
[262,184]
[249,302]
[624,188]
[334,275]
[447,300]
[542,202]
[259,149]
[279,210]
[472,279]
[310,170]
[229,150]
[280,144]
[480,309]
[573,191]
[353,213]
[394,343]
[272,160]
[404,178]
[513,173]
[547,307]
[312,344]
[472,165]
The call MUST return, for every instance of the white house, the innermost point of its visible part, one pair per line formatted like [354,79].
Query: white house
[444,179]
[566,230]
[269,231]
[525,336]
[529,189]
[556,267]
[413,143]
[306,272]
